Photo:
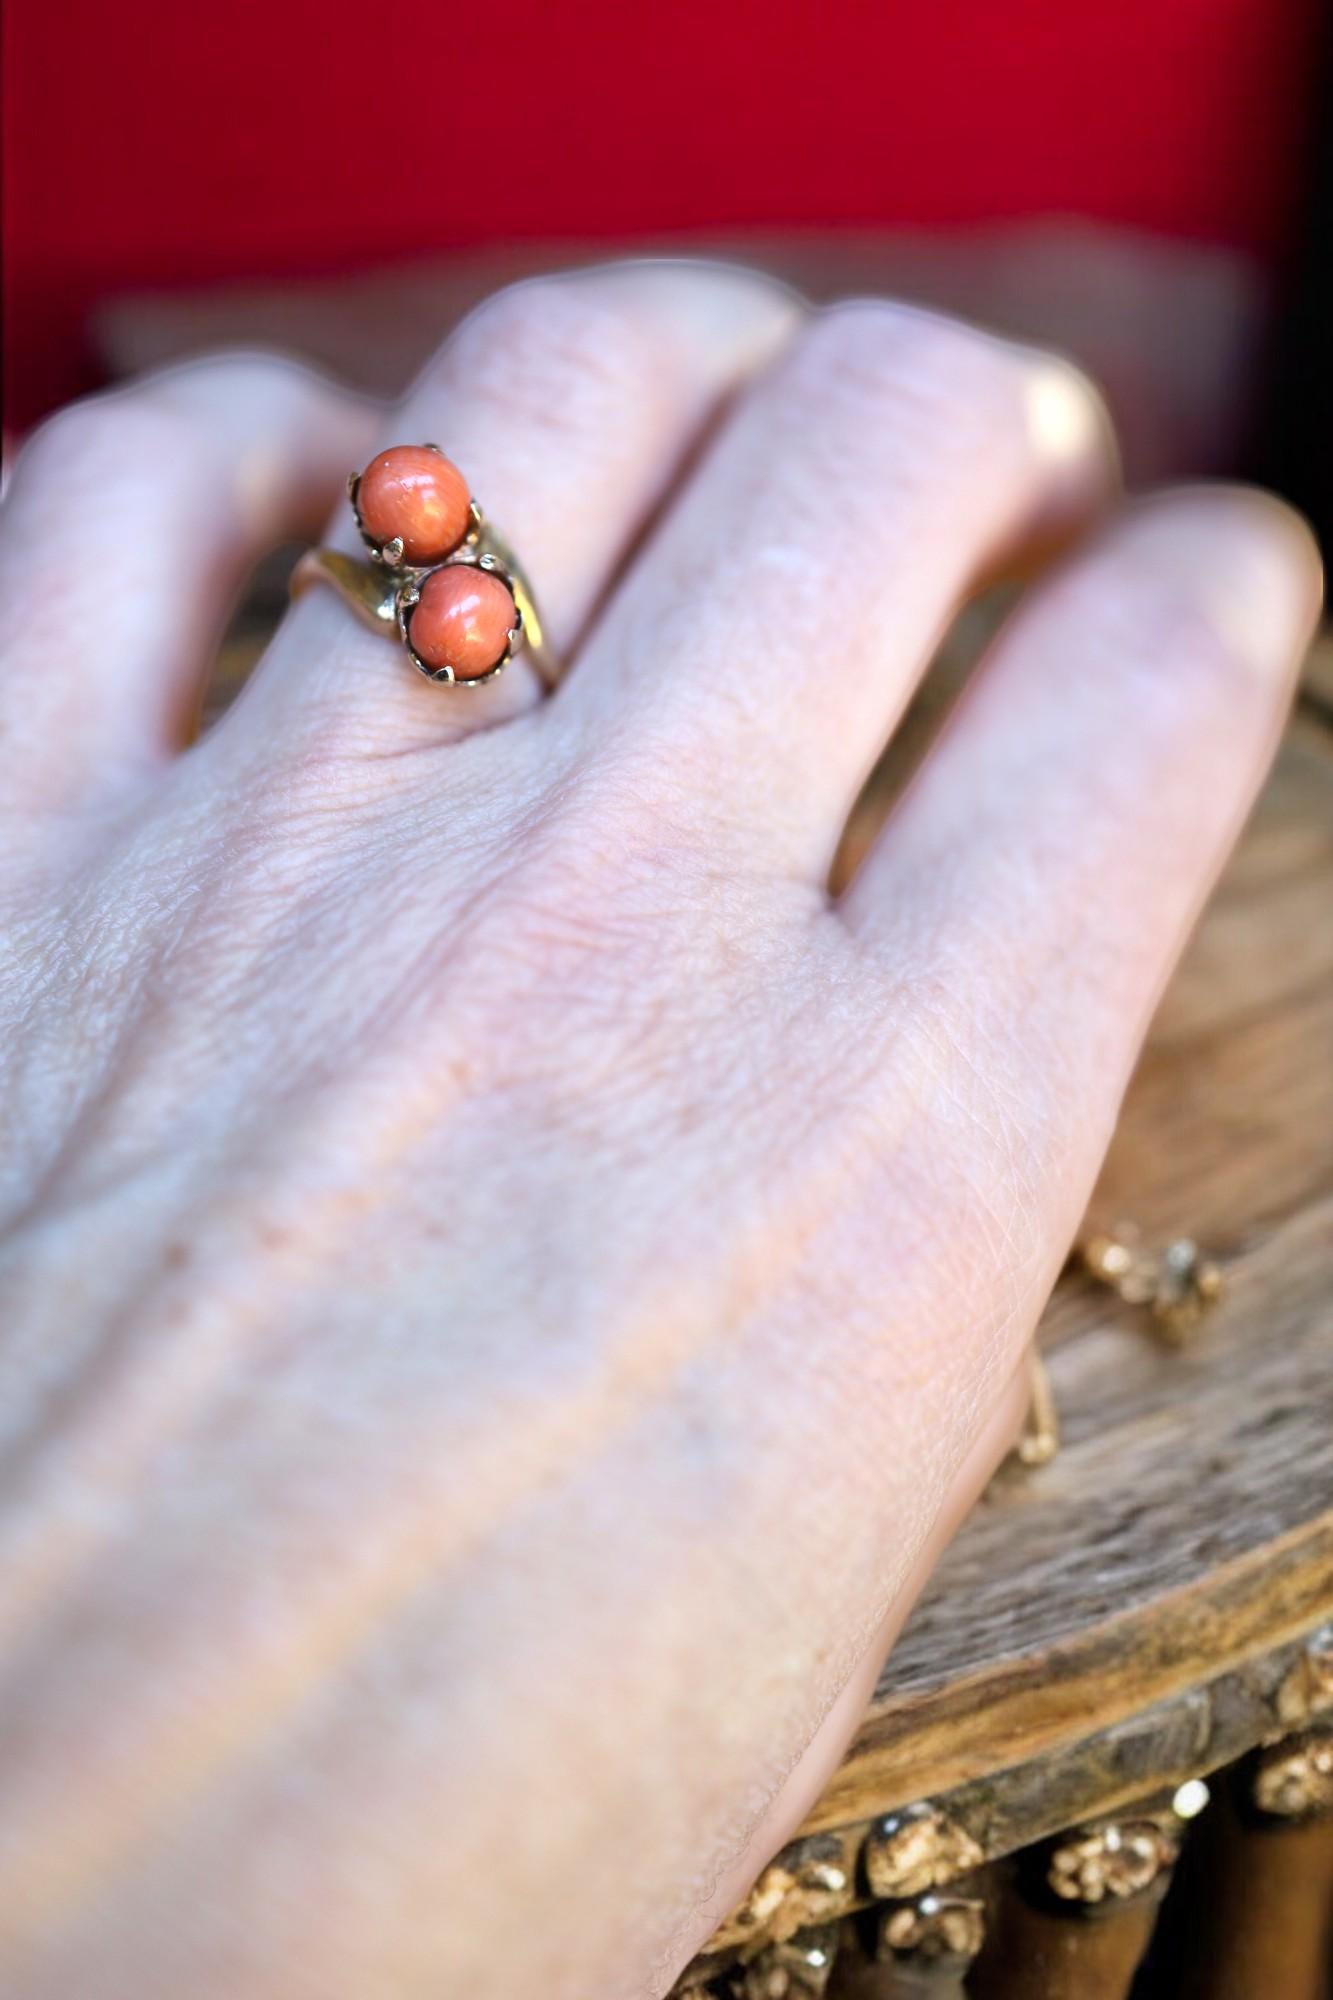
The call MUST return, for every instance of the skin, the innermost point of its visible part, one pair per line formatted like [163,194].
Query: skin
[507,1285]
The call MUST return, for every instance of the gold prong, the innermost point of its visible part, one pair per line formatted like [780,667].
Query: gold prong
[1039,1439]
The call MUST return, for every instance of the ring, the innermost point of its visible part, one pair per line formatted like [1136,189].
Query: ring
[438,576]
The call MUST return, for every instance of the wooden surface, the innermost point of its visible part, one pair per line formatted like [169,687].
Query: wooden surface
[1185,1531]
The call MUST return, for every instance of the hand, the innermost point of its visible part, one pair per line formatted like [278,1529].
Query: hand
[506,1284]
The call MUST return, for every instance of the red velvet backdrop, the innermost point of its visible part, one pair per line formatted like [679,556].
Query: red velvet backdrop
[173,143]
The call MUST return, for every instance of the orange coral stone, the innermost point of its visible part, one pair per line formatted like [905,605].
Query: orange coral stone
[462,620]
[419,494]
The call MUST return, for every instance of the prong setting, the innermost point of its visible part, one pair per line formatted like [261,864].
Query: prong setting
[480,548]
[409,596]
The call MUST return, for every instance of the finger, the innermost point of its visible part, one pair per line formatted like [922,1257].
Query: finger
[568,403]
[812,563]
[131,523]
[1033,890]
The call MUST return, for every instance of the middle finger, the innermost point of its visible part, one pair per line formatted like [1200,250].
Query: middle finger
[802,580]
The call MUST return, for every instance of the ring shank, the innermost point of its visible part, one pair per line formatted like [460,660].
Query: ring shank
[371,592]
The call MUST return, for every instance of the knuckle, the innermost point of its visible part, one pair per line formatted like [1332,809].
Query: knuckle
[562,351]
[1163,638]
[254,369]
[96,440]
[955,387]
[1173,649]
[199,394]
[175,416]
[887,349]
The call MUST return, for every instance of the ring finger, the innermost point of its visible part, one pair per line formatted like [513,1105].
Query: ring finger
[568,404]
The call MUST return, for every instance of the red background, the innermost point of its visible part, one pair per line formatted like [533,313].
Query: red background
[155,144]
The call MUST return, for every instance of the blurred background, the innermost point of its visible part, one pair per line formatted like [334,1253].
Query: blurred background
[1139,182]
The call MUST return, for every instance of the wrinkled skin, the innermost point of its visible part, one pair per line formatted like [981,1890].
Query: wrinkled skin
[507,1286]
